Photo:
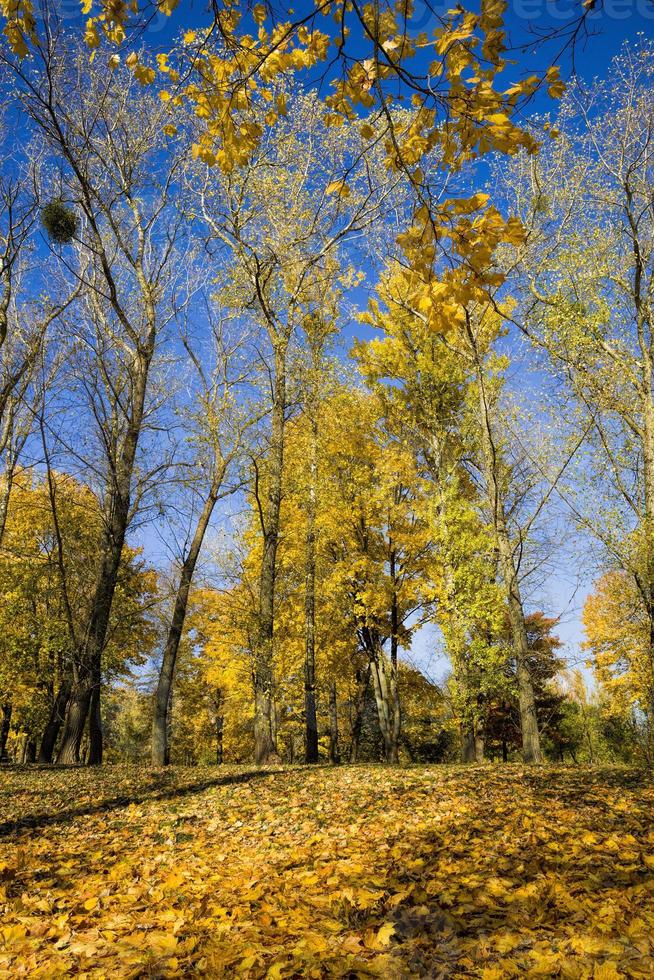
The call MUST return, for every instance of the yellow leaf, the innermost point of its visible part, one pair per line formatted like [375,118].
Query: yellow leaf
[384,934]
[606,971]
[173,881]
[338,187]
[11,933]
[498,119]
[91,35]
[144,75]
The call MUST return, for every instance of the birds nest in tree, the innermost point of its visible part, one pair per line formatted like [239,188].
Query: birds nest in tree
[59,221]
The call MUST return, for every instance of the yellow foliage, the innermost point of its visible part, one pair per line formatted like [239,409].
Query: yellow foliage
[617,630]
[35,640]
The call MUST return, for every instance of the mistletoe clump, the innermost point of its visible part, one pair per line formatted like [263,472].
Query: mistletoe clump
[59,221]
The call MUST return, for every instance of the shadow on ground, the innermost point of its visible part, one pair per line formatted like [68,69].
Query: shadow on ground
[161,792]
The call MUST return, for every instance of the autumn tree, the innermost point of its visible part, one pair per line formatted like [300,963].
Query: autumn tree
[278,217]
[584,277]
[503,721]
[378,540]
[616,623]
[213,715]
[423,386]
[370,578]
[38,609]
[448,395]
[103,140]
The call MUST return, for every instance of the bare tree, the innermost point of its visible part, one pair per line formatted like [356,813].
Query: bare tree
[104,135]
[217,426]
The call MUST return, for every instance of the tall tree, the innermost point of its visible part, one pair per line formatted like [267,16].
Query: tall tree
[280,216]
[377,537]
[585,280]
[217,429]
[424,386]
[116,171]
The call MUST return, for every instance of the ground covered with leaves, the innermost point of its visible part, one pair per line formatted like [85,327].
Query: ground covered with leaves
[352,872]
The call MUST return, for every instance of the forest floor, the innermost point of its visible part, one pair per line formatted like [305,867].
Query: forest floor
[363,871]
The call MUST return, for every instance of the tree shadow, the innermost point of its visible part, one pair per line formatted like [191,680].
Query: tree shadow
[41,820]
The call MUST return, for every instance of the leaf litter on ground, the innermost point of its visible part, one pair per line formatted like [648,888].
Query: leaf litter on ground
[360,871]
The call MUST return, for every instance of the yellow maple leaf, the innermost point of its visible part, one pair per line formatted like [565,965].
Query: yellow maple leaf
[384,933]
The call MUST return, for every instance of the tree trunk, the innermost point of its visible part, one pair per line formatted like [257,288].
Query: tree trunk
[89,658]
[645,582]
[78,709]
[479,745]
[170,721]
[384,685]
[95,725]
[363,680]
[220,724]
[55,721]
[334,751]
[394,688]
[29,750]
[116,519]
[5,727]
[311,720]
[265,744]
[265,747]
[160,751]
[468,743]
[531,752]
[5,495]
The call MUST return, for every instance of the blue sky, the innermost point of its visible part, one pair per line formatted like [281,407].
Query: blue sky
[608,27]
[609,23]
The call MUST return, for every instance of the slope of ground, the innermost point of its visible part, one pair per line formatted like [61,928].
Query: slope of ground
[352,872]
